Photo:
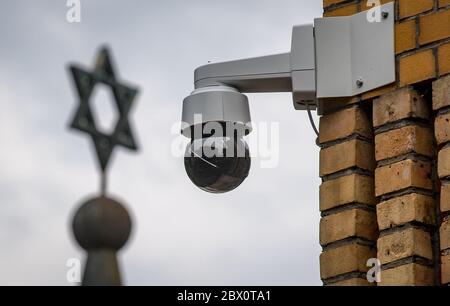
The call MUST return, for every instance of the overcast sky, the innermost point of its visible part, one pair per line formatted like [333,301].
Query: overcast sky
[263,233]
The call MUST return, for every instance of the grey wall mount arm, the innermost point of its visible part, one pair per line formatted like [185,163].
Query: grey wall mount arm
[287,72]
[335,57]
[261,74]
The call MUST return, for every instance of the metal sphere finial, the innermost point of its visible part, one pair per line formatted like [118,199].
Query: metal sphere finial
[102,227]
[102,223]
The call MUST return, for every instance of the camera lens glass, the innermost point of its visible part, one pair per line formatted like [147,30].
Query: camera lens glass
[217,164]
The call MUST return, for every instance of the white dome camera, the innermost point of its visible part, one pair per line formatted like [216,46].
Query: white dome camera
[335,57]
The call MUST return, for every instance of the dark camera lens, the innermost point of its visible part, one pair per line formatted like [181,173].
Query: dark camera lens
[217,164]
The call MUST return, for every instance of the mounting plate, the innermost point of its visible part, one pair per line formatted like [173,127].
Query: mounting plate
[355,54]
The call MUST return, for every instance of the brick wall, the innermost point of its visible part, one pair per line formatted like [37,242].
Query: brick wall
[405,189]
[348,229]
[441,107]
[385,160]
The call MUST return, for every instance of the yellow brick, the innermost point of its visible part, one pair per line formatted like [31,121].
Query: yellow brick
[366,5]
[444,3]
[353,282]
[445,235]
[445,197]
[403,244]
[444,59]
[345,259]
[435,26]
[405,36]
[347,10]
[379,91]
[417,67]
[441,93]
[330,105]
[445,269]
[408,208]
[404,140]
[348,189]
[442,128]
[327,3]
[353,153]
[408,275]
[401,104]
[402,175]
[414,7]
[350,223]
[344,123]
[444,163]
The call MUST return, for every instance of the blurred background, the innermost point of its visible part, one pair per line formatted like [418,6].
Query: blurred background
[263,233]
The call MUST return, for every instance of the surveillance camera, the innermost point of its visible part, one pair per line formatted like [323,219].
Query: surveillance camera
[327,60]
[216,119]
[218,172]
[216,115]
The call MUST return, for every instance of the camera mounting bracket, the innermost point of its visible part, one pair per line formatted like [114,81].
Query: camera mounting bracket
[355,54]
[335,57]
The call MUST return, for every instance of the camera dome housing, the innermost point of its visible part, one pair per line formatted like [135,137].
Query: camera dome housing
[217,164]
[216,118]
[222,104]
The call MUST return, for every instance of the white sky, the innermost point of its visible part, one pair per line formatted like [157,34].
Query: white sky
[263,233]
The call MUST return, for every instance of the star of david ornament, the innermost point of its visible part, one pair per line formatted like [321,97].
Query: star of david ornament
[102,225]
[85,82]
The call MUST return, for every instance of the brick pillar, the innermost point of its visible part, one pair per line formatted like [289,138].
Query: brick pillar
[410,245]
[404,152]
[441,104]
[348,229]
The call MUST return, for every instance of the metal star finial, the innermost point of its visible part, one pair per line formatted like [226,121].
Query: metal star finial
[85,81]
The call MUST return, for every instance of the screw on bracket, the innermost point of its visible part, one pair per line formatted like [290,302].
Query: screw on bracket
[385,15]
[359,83]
